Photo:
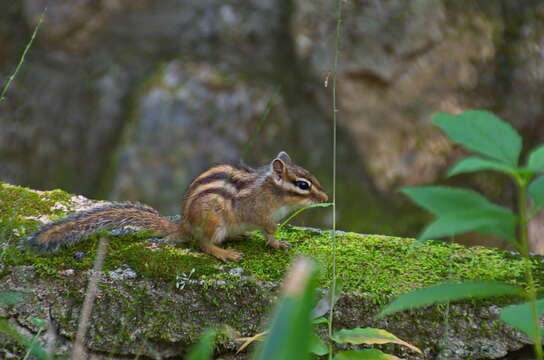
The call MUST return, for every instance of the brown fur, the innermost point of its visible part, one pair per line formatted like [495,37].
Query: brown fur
[222,201]
[76,227]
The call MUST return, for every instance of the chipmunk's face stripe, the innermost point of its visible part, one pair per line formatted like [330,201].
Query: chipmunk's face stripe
[288,189]
[296,193]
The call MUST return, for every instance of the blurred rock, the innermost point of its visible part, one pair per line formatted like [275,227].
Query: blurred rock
[188,117]
[400,62]
[64,114]
[131,99]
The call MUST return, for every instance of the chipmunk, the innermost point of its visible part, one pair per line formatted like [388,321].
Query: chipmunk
[224,201]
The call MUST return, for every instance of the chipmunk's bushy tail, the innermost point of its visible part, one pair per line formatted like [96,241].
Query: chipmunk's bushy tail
[77,227]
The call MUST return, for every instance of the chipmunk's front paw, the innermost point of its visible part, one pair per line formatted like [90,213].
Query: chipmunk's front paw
[222,254]
[234,255]
[278,244]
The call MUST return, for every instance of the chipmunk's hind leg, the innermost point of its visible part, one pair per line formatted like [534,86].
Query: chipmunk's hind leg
[213,235]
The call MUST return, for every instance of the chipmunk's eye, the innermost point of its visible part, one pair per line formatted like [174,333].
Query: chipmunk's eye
[302,185]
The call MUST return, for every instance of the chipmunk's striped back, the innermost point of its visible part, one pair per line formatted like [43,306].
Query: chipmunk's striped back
[222,182]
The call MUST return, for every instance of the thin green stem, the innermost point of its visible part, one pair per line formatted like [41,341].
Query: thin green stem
[32,342]
[22,59]
[298,212]
[524,245]
[334,112]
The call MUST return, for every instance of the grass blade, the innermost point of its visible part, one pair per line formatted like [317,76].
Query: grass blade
[203,350]
[30,344]
[23,56]
[289,336]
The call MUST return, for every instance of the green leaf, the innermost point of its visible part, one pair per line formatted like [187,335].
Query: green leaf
[324,305]
[369,336]
[203,350]
[535,160]
[367,354]
[449,292]
[291,328]
[320,320]
[460,211]
[521,317]
[494,221]
[504,227]
[482,132]
[39,322]
[536,191]
[11,297]
[440,200]
[317,346]
[476,163]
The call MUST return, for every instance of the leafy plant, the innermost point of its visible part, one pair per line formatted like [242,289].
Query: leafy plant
[288,332]
[459,211]
[368,336]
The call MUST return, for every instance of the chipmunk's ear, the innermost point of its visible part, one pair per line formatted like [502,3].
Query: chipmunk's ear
[278,169]
[284,157]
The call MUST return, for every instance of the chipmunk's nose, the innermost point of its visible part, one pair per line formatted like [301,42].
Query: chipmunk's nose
[322,197]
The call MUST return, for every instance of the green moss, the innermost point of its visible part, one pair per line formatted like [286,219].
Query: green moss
[21,207]
[380,266]
[383,266]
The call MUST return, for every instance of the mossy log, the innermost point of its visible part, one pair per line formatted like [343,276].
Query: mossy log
[155,299]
